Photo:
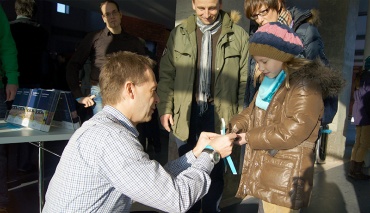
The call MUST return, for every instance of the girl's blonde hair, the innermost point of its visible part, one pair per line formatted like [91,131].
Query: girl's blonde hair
[289,67]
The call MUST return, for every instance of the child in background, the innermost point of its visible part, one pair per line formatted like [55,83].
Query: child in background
[280,127]
[361,115]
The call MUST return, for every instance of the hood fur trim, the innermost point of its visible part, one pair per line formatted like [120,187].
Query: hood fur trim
[315,18]
[235,16]
[330,80]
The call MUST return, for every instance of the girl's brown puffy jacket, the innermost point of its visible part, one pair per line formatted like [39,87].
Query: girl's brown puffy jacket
[279,156]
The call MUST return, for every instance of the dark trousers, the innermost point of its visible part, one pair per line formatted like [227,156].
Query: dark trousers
[3,171]
[198,124]
[150,131]
[3,157]
[25,153]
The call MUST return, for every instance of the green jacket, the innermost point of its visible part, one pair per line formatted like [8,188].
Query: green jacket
[178,68]
[8,52]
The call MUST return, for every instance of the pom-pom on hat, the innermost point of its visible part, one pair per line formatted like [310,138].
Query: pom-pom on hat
[275,40]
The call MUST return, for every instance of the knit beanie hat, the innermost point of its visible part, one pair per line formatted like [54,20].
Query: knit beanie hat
[367,64]
[275,40]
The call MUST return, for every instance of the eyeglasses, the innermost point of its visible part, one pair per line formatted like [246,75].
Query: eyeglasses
[262,13]
[109,14]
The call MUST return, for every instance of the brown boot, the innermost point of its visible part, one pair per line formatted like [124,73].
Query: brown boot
[355,171]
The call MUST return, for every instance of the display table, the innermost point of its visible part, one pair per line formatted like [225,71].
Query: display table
[24,135]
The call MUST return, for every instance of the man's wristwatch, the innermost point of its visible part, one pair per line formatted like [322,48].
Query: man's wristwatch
[215,156]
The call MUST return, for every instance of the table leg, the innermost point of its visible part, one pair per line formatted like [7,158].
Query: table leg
[41,175]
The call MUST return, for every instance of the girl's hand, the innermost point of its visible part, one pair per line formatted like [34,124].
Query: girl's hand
[240,139]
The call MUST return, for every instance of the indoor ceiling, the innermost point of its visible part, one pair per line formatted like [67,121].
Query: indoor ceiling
[157,11]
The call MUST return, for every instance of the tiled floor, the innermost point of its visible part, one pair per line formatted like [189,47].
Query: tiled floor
[333,192]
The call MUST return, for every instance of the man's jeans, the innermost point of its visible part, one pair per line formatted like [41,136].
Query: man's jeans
[95,90]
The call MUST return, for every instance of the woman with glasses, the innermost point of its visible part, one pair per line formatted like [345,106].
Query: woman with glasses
[303,22]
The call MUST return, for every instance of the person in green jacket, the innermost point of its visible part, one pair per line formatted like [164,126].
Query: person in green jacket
[202,77]
[8,73]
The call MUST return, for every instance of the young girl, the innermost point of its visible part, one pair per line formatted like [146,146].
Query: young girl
[281,125]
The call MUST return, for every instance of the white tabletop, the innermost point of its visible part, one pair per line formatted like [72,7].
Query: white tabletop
[24,134]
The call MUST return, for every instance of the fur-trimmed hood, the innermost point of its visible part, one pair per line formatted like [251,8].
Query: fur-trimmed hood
[229,20]
[234,16]
[330,80]
[300,16]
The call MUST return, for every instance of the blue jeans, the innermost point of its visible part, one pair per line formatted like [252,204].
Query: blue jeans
[3,158]
[199,123]
[95,90]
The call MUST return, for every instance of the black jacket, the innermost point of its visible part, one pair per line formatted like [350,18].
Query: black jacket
[31,40]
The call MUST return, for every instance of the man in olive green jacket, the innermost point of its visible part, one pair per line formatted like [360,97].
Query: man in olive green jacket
[194,94]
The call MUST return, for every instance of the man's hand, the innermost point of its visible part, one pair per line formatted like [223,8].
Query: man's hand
[11,90]
[223,144]
[87,101]
[166,120]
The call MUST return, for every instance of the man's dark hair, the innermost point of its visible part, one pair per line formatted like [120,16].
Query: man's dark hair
[109,1]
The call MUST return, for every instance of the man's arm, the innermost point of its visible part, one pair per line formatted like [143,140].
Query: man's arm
[243,72]
[76,63]
[8,57]
[167,121]
[172,189]
[165,90]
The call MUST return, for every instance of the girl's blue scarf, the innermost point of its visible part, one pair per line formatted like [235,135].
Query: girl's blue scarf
[267,89]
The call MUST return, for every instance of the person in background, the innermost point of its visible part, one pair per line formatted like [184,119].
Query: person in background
[361,115]
[304,23]
[280,125]
[104,167]
[95,46]
[31,40]
[8,74]
[202,79]
[59,73]
[84,77]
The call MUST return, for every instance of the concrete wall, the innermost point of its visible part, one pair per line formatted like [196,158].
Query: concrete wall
[338,31]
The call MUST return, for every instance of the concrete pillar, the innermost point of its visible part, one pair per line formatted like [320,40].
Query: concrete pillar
[366,54]
[338,31]
[367,37]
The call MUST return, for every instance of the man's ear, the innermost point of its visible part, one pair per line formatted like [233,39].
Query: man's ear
[129,90]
